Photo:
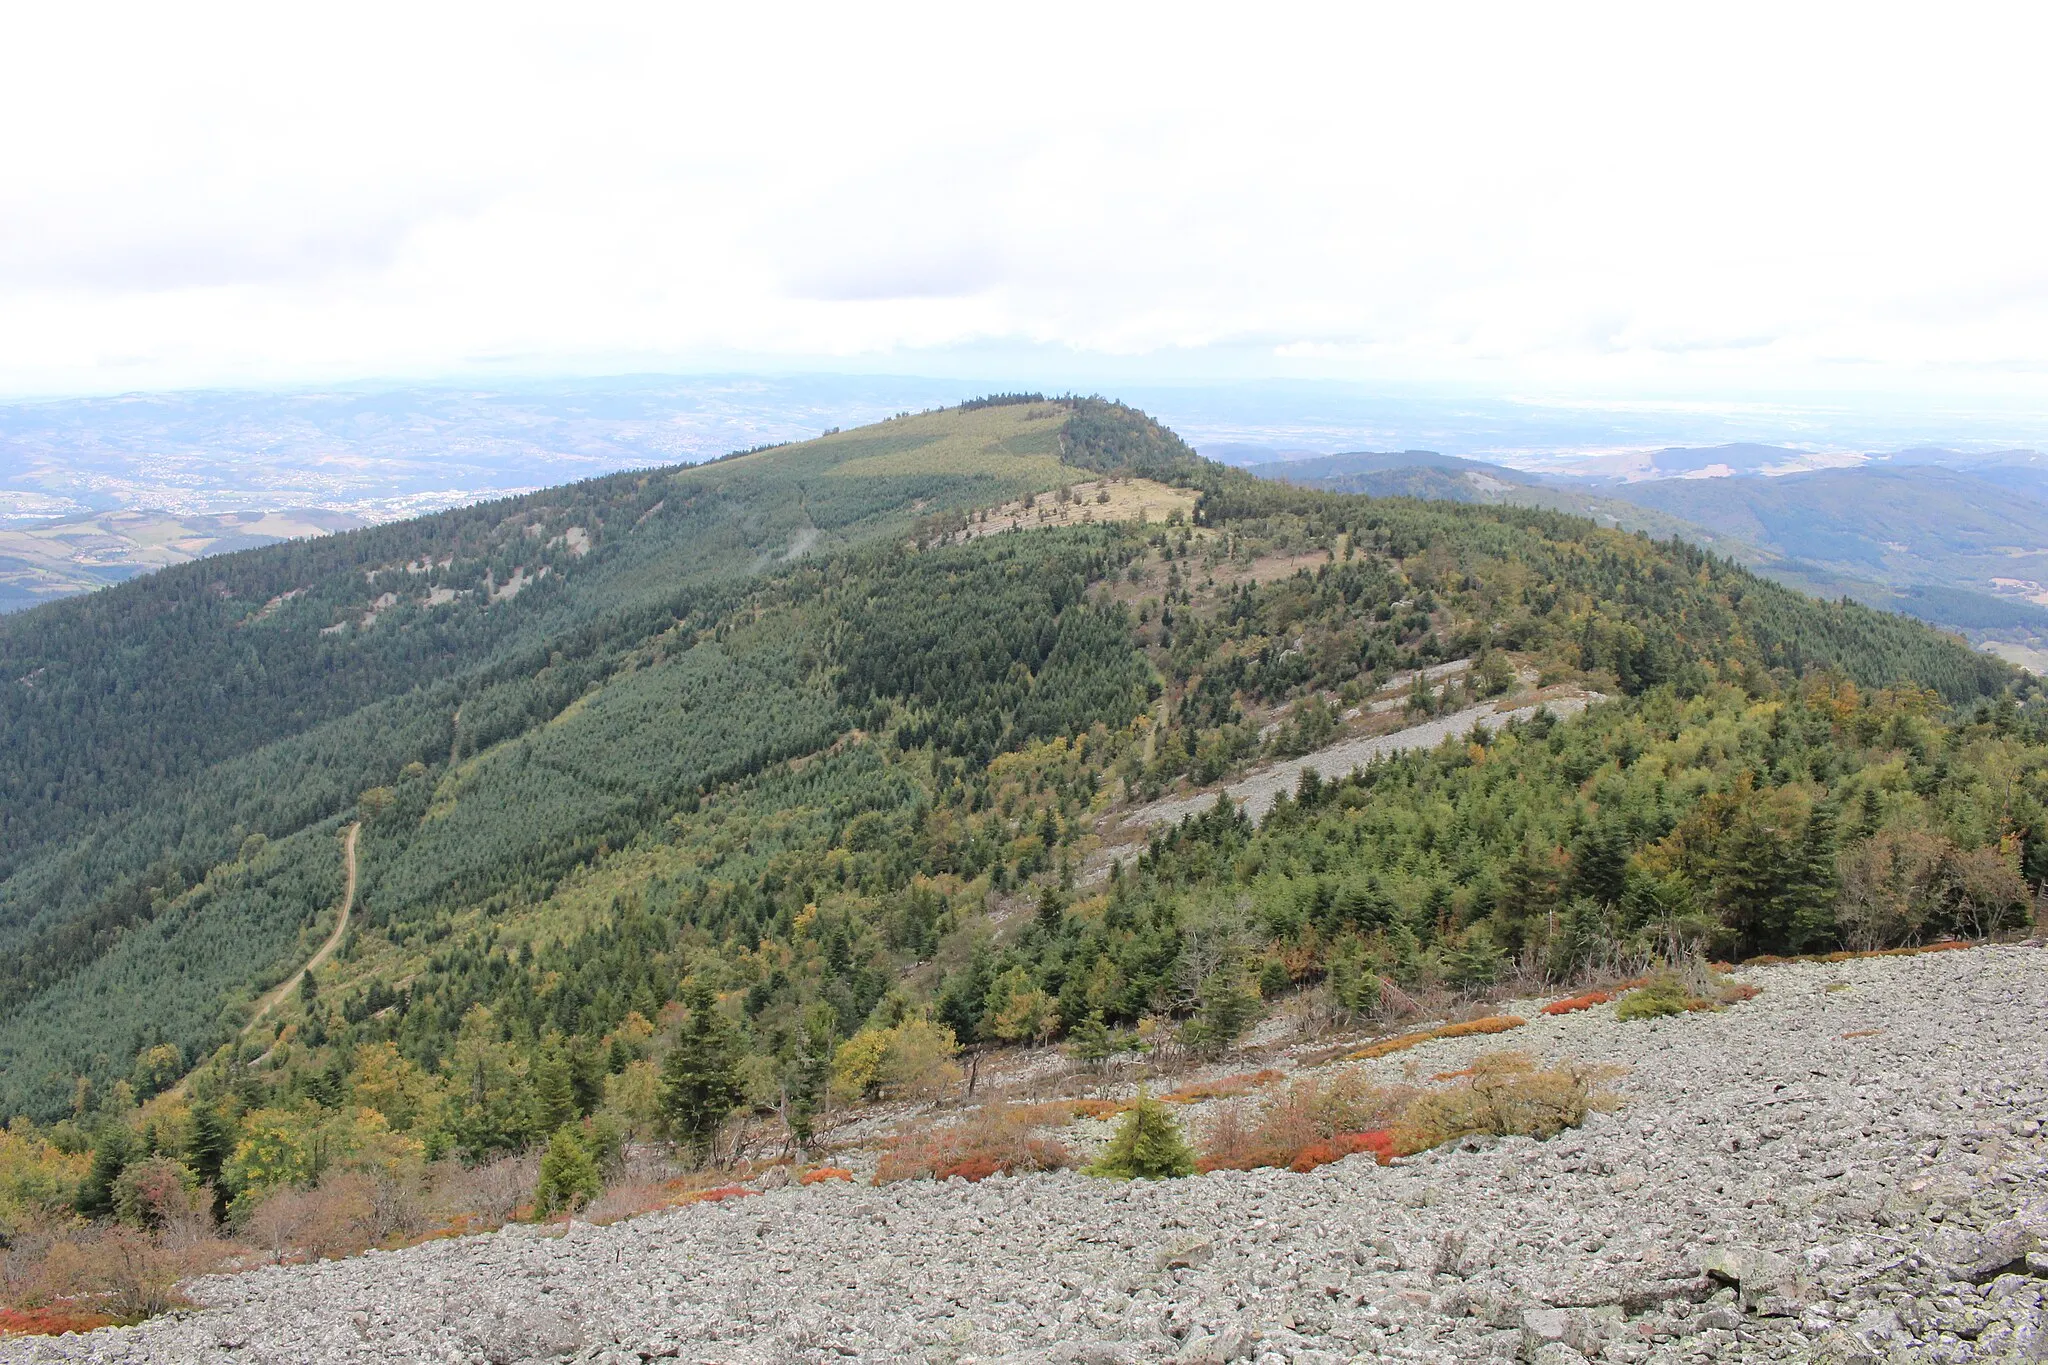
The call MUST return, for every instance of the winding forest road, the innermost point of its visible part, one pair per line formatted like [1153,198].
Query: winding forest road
[277,993]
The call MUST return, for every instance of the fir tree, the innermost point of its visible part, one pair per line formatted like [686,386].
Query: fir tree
[553,1089]
[568,1175]
[1052,911]
[1147,1146]
[1089,1040]
[700,1079]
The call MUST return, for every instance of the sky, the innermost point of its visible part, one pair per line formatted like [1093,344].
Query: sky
[1718,201]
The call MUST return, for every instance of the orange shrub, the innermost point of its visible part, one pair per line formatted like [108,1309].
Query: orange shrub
[1387,1047]
[998,1137]
[1230,1087]
[1379,1142]
[1573,1004]
[823,1174]
[1098,1109]
[1493,1023]
[53,1320]
[719,1195]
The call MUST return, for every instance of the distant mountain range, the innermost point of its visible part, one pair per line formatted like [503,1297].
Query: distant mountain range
[1956,538]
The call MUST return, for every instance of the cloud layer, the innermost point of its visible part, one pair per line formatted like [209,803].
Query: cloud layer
[1735,198]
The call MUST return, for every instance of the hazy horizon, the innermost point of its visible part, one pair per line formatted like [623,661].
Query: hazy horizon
[1758,206]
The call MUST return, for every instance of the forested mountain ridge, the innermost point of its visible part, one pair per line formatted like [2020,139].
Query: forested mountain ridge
[787,736]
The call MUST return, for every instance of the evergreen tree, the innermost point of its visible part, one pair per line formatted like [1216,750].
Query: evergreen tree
[568,1175]
[1815,881]
[1052,911]
[1147,1145]
[700,1082]
[1354,984]
[807,1073]
[1089,1040]
[113,1147]
[553,1088]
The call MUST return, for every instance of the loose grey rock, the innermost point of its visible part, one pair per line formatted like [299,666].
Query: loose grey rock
[1868,1184]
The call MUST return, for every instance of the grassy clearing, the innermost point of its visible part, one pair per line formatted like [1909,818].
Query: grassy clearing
[1091,501]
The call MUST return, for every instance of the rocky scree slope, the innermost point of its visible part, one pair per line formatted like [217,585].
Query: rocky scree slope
[1850,1167]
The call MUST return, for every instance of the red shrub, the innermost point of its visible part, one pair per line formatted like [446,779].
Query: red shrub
[1575,1003]
[824,1173]
[51,1321]
[999,1137]
[1379,1142]
[1310,1124]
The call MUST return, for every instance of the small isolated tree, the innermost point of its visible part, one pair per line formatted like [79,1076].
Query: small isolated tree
[1147,1146]
[700,1080]
[568,1175]
[1090,1041]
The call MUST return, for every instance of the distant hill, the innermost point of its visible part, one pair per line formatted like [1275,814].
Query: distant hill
[1427,475]
[1400,474]
[1890,525]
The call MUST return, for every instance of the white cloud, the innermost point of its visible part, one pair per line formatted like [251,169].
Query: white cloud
[1593,197]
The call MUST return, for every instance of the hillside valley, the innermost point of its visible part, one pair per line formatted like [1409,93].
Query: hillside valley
[704,822]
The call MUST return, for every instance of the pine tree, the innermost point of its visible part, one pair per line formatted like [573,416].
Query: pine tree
[700,1079]
[1147,1146]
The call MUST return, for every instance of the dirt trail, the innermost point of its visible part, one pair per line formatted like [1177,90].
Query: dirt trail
[276,994]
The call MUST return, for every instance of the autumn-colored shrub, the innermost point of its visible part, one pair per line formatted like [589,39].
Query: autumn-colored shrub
[1379,1143]
[1573,1004]
[1387,1047]
[824,1173]
[628,1200]
[719,1195]
[997,1137]
[1308,1125]
[1230,1087]
[119,1271]
[51,1320]
[1506,1095]
[1495,1023]
[1853,955]
[1098,1109]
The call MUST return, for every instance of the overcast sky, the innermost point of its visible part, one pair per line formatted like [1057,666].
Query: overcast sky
[1624,199]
